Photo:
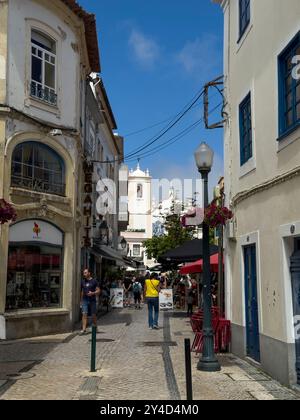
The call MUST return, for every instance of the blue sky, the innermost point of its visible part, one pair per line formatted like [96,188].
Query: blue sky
[155,56]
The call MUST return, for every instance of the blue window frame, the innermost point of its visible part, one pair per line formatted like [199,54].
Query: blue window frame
[244,15]
[289,88]
[246,147]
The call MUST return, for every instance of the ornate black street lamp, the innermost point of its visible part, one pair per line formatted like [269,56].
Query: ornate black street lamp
[208,362]
[123,244]
[104,232]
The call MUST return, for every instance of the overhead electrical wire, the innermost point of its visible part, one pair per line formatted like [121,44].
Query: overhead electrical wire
[166,144]
[166,129]
[133,133]
[174,139]
[142,151]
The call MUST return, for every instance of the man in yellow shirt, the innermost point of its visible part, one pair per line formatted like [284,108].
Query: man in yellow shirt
[151,293]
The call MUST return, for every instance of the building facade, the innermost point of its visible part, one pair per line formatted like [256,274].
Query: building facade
[140,215]
[49,114]
[169,206]
[262,155]
[103,154]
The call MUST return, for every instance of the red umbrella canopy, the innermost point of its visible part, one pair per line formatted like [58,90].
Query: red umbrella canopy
[197,266]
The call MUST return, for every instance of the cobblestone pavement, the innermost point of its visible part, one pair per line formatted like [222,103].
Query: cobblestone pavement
[133,363]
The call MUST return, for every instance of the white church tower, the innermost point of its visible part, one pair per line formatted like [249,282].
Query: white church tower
[140,214]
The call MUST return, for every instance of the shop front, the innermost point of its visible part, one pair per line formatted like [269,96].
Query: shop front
[35,280]
[35,266]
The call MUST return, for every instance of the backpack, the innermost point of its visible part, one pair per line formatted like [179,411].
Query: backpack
[136,287]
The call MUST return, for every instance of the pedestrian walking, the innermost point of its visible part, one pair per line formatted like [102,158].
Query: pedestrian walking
[142,281]
[182,293]
[127,292]
[151,292]
[89,291]
[190,302]
[137,292]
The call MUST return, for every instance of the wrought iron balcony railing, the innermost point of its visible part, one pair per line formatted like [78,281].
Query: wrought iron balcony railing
[38,185]
[44,94]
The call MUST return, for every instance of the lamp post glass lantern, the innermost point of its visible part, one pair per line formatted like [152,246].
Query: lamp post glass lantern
[123,244]
[104,232]
[204,157]
[208,362]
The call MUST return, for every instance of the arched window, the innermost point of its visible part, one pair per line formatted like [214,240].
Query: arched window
[139,191]
[37,167]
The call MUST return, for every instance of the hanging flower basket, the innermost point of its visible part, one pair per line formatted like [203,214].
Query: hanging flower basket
[7,212]
[216,215]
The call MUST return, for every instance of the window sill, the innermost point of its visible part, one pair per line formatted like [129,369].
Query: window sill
[244,36]
[44,106]
[288,133]
[247,167]
[29,313]
[39,195]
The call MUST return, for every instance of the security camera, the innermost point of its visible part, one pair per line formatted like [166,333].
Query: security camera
[55,132]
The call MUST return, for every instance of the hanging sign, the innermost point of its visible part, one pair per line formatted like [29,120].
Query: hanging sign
[88,204]
[166,299]
[35,231]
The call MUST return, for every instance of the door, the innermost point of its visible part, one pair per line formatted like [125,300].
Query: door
[295,275]
[252,323]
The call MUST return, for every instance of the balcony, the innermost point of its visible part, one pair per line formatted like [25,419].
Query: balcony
[44,94]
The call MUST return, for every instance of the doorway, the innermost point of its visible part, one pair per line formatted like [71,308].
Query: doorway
[252,323]
[295,276]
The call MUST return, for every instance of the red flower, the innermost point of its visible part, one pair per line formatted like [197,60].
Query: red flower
[7,212]
[216,215]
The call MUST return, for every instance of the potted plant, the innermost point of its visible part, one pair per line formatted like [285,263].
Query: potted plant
[217,215]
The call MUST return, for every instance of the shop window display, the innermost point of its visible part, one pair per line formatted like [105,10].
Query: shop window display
[34,277]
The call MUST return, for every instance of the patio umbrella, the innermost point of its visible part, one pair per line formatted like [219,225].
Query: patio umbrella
[190,251]
[197,266]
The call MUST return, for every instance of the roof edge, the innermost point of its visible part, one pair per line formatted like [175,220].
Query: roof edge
[91,37]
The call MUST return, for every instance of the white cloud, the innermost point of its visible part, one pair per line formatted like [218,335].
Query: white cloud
[201,57]
[146,50]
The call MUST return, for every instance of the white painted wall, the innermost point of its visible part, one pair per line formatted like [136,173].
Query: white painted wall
[23,14]
[140,211]
[140,216]
[252,65]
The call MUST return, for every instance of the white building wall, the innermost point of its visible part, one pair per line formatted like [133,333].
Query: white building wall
[140,212]
[30,13]
[251,65]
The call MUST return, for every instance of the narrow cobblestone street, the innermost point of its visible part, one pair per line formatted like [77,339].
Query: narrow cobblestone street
[133,363]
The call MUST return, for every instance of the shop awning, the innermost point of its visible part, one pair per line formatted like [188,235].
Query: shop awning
[197,267]
[108,253]
[111,254]
[190,251]
[130,262]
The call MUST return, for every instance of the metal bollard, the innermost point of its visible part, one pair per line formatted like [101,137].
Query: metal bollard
[93,349]
[188,370]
